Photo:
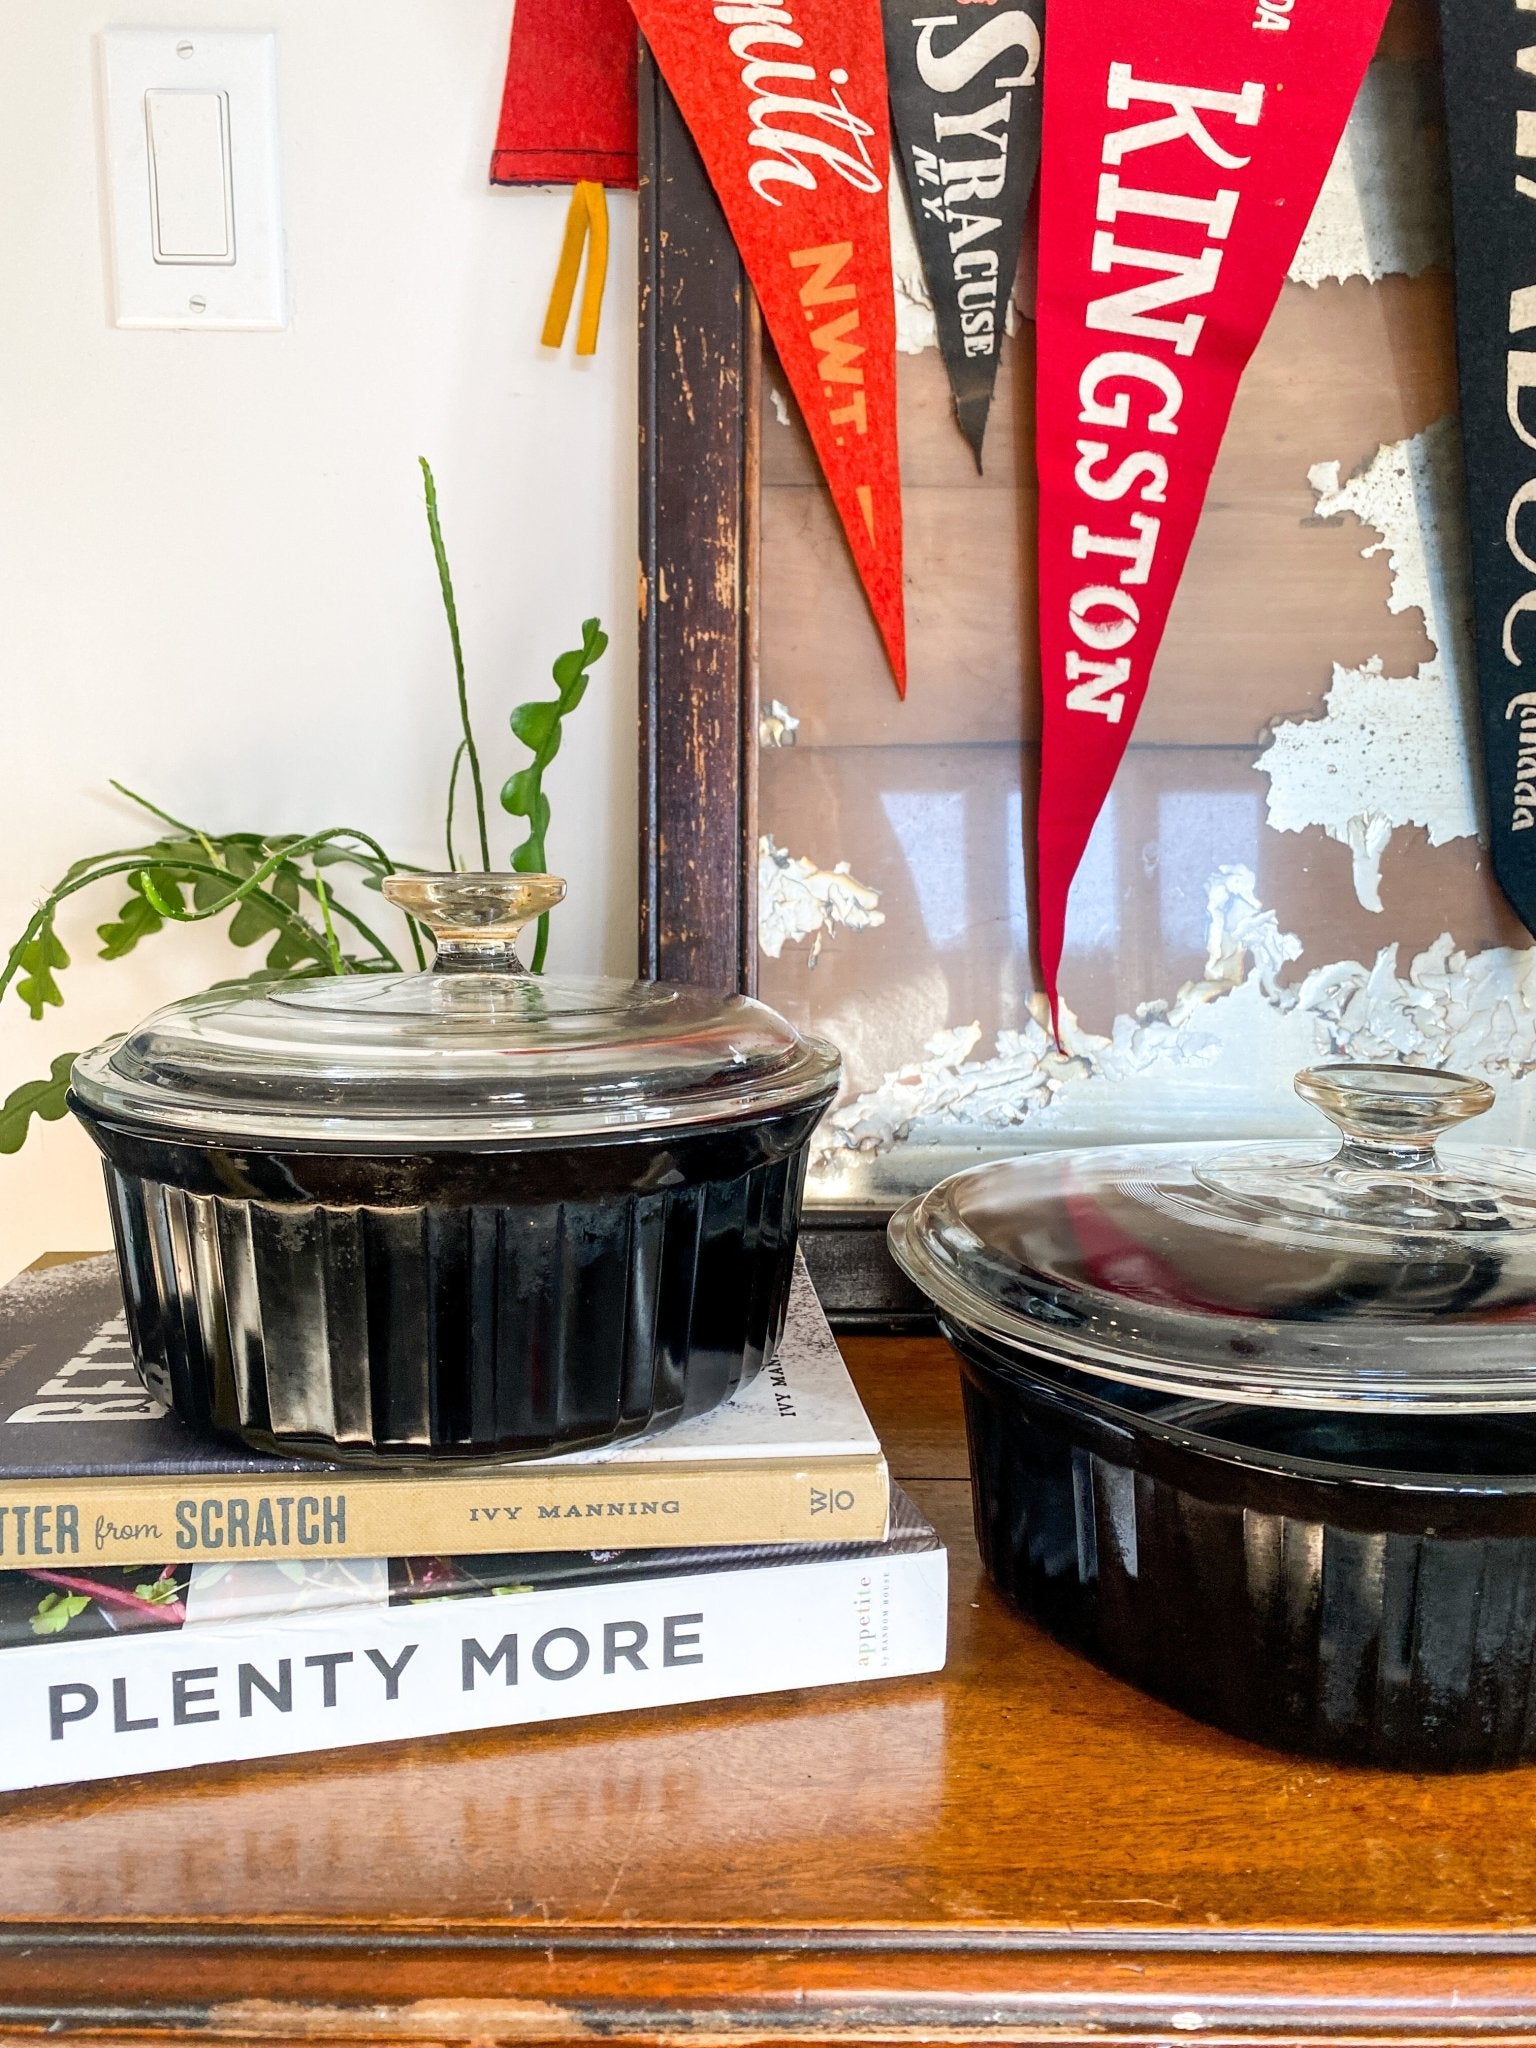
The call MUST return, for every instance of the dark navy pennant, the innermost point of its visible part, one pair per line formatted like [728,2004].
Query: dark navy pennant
[965,117]
[1490,87]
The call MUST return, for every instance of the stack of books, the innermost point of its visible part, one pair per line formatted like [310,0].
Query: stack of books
[165,1601]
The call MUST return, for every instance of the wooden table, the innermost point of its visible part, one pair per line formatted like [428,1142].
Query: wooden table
[1022,1849]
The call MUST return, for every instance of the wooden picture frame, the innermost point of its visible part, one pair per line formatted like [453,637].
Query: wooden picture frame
[1223,827]
[699,470]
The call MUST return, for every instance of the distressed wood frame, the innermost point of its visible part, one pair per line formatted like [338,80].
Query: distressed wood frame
[698,568]
[699,382]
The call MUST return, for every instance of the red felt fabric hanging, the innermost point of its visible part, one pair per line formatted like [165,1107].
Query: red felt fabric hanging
[1184,148]
[569,111]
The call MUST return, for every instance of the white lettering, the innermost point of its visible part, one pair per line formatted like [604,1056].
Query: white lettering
[1129,311]
[1108,488]
[980,179]
[1526,495]
[1144,369]
[986,42]
[1214,215]
[1186,104]
[987,124]
[1136,553]
[789,153]
[1519,376]
[1527,603]
[1094,685]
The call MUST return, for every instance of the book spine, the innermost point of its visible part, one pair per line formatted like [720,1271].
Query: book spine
[59,1523]
[220,1692]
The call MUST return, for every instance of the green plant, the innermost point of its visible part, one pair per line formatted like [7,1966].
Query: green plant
[55,1611]
[292,892]
[538,726]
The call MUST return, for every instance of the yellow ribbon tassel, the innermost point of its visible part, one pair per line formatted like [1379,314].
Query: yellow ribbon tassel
[586,226]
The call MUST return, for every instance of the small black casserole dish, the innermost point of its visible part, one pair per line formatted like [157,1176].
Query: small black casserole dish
[467,1213]
[1256,1428]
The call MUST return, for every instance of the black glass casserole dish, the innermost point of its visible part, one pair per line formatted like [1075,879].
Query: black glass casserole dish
[1255,1427]
[472,1212]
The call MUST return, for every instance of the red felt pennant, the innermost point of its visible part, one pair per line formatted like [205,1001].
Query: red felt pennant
[787,103]
[1184,148]
[568,111]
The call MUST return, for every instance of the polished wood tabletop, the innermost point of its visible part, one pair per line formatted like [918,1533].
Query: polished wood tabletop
[1019,1849]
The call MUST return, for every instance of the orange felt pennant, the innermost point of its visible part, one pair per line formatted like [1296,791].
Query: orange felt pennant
[788,108]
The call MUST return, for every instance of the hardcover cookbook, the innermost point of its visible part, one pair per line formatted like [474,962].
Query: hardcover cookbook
[93,1470]
[209,1663]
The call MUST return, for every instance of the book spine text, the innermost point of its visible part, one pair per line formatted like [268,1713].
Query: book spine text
[504,1508]
[220,1691]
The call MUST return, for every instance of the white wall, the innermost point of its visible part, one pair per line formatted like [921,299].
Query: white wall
[215,582]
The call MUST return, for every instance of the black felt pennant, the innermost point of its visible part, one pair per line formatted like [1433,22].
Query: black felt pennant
[965,118]
[1490,85]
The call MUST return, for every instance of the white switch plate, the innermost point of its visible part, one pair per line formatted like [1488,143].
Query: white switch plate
[191,168]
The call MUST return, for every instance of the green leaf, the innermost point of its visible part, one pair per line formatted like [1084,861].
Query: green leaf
[331,855]
[138,919]
[283,883]
[39,957]
[159,1592]
[252,921]
[210,889]
[539,726]
[533,723]
[242,853]
[56,1611]
[520,794]
[292,949]
[41,1099]
[173,853]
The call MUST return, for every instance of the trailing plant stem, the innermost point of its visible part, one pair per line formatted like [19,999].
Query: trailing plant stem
[453,785]
[445,579]
[140,862]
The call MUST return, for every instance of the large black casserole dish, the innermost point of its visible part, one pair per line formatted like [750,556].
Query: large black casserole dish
[1255,1427]
[464,1213]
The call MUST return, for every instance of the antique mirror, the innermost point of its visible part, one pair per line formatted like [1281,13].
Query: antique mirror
[1288,866]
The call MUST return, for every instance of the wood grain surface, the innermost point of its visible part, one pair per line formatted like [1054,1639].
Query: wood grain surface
[1020,1849]
[697,570]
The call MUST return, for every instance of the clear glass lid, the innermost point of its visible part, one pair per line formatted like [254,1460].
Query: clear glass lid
[1375,1275]
[474,1051]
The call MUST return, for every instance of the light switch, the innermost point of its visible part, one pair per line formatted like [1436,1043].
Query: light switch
[191,163]
[192,213]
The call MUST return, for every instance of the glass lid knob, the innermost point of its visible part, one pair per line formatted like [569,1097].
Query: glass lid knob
[1386,1175]
[1391,1116]
[475,919]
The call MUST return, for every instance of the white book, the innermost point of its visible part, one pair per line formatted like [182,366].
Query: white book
[374,1662]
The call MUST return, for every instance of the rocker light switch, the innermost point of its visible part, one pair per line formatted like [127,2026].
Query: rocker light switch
[191,167]
[191,202]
